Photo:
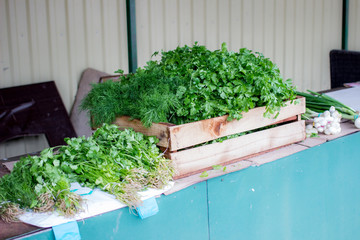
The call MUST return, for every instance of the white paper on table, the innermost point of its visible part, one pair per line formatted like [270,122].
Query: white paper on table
[349,96]
[96,203]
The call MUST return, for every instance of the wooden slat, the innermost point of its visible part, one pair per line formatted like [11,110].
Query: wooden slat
[194,133]
[196,159]
[160,130]
[177,137]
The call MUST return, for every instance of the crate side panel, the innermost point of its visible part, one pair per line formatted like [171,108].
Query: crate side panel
[190,134]
[195,159]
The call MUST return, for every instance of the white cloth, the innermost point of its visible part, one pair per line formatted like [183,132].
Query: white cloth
[96,203]
[349,96]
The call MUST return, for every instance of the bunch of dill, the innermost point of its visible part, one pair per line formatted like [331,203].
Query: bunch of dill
[147,95]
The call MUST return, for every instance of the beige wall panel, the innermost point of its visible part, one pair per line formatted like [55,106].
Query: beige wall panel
[269,27]
[171,24]
[143,28]
[279,34]
[4,44]
[331,36]
[258,26]
[22,146]
[319,76]
[211,24]
[296,35]
[157,25]
[247,23]
[289,39]
[224,22]
[57,39]
[42,40]
[235,24]
[354,25]
[198,21]
[185,22]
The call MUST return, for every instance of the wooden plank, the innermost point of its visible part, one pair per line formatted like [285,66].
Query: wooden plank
[196,159]
[258,160]
[107,78]
[177,137]
[160,130]
[190,134]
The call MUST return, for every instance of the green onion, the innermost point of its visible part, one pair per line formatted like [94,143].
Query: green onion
[317,103]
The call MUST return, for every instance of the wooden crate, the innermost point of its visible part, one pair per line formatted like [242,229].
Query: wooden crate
[179,141]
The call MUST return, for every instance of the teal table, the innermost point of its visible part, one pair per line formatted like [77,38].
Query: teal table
[312,194]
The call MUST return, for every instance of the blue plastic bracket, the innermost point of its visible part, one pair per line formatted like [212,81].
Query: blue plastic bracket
[148,208]
[67,231]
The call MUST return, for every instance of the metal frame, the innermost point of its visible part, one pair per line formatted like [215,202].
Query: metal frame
[131,34]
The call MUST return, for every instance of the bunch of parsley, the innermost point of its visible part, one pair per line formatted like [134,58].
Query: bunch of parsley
[190,84]
[119,162]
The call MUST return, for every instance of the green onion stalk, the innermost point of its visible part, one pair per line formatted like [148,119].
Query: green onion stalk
[316,103]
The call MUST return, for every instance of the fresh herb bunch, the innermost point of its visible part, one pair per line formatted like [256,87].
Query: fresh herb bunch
[190,84]
[37,183]
[119,162]
[147,95]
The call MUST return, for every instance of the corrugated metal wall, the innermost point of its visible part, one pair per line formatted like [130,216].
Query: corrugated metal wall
[296,35]
[43,40]
[354,25]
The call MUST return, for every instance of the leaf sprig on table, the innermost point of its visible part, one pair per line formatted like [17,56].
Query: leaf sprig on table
[119,162]
[190,84]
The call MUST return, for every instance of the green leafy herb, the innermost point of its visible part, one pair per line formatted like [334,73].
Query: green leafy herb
[204,174]
[119,162]
[318,103]
[314,135]
[217,167]
[190,84]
